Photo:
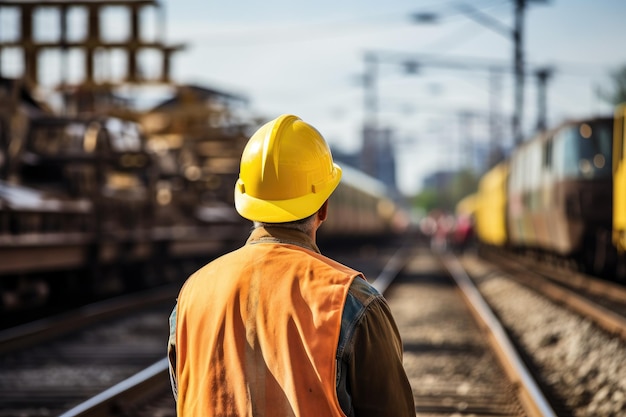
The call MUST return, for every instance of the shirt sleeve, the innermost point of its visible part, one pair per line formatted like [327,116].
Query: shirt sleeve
[378,382]
[171,353]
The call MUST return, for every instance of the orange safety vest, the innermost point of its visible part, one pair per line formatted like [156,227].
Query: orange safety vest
[257,333]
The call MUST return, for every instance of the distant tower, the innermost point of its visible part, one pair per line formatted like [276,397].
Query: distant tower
[377,157]
[369,151]
[387,159]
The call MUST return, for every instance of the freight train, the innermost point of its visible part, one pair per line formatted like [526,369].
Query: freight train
[91,206]
[553,198]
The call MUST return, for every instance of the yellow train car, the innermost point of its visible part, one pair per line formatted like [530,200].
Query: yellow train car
[467,206]
[490,214]
[619,180]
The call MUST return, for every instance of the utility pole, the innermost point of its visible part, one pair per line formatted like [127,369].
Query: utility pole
[543,75]
[516,34]
[518,40]
[495,92]
[518,31]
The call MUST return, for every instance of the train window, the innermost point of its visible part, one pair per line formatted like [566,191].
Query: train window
[547,153]
[595,149]
[565,153]
[533,166]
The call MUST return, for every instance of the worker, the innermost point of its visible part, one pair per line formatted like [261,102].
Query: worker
[275,328]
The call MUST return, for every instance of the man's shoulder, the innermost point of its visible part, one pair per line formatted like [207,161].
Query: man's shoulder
[360,296]
[362,291]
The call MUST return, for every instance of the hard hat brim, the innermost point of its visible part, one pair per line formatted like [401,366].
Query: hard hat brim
[282,211]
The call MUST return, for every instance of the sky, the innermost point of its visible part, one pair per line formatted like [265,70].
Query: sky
[308,58]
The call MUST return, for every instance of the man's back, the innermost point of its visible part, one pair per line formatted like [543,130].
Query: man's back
[260,328]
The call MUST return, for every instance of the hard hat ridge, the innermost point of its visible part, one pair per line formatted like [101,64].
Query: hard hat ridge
[286,173]
[270,141]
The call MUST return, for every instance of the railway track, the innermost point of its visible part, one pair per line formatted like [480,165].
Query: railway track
[601,301]
[451,366]
[568,326]
[51,365]
[528,391]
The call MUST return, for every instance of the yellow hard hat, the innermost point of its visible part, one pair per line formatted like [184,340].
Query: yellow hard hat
[287,172]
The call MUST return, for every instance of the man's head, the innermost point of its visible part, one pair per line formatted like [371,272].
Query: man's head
[287,172]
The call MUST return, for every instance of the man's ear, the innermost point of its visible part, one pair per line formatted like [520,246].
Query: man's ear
[322,213]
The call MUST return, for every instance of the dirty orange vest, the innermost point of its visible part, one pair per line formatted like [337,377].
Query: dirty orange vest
[257,334]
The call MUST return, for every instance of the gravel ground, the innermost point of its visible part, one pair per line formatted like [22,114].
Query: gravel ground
[584,365]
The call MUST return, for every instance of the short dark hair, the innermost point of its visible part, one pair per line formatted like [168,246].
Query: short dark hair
[303,225]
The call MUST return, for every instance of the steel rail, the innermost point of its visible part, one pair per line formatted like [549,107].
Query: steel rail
[606,319]
[145,382]
[530,395]
[26,335]
[570,278]
[391,270]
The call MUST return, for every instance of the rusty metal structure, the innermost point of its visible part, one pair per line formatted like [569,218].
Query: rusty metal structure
[93,42]
[99,190]
[93,94]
